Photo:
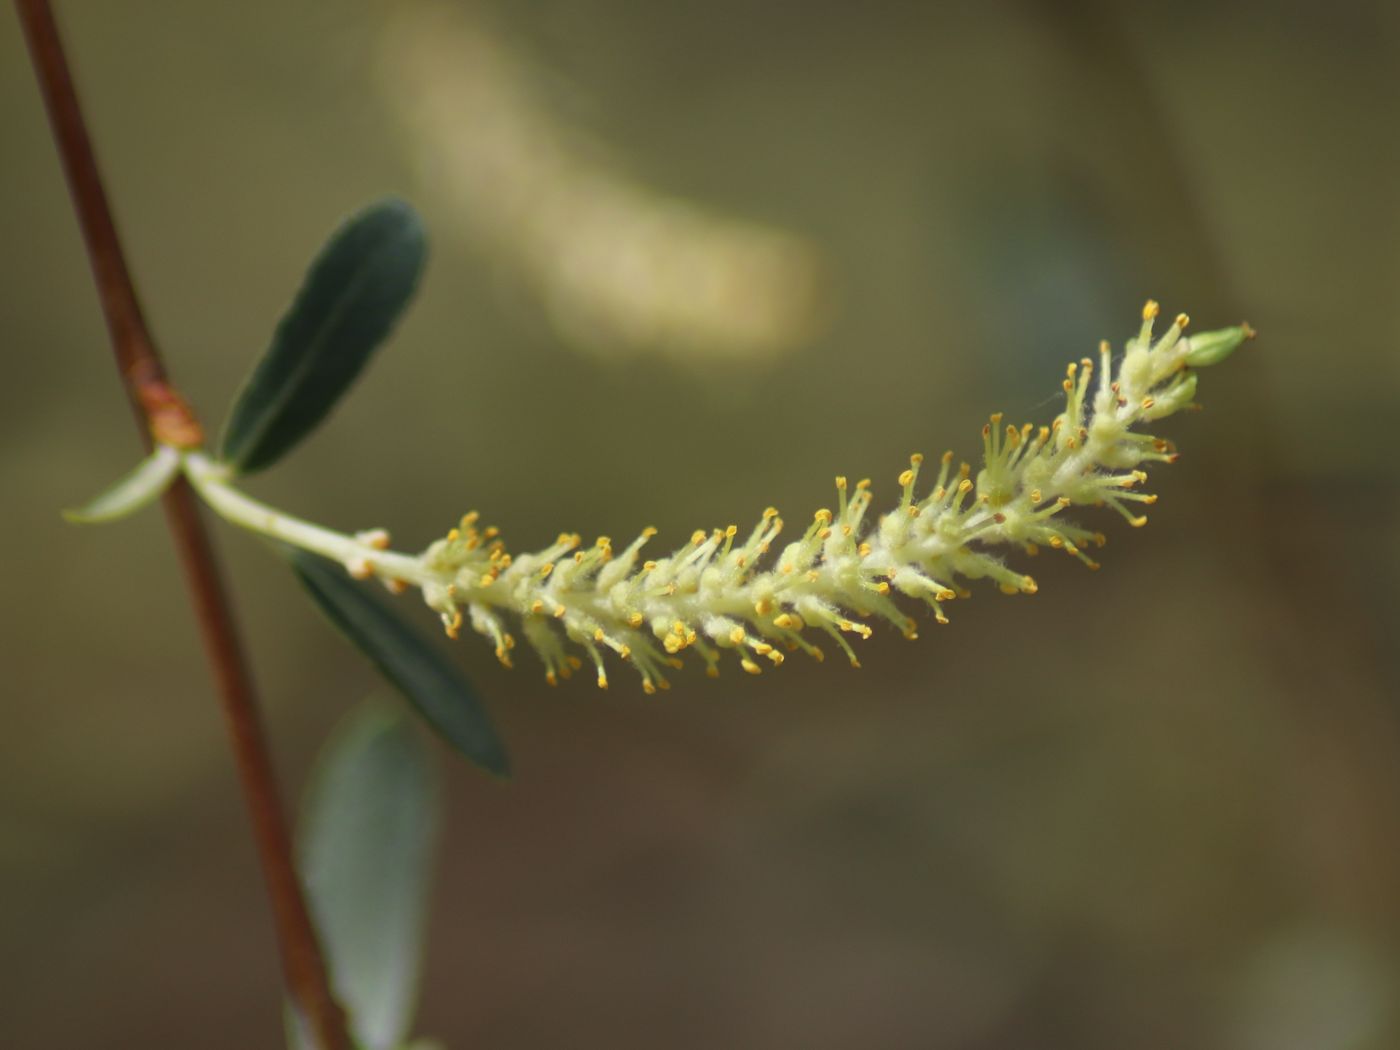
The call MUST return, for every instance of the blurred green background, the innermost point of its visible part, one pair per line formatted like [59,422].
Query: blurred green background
[1152,807]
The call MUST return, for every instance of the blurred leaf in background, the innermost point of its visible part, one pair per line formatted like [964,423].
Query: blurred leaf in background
[366,843]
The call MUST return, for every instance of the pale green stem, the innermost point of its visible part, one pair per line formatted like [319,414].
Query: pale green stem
[211,481]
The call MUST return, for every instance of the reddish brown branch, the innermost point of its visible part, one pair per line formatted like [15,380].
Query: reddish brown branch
[164,416]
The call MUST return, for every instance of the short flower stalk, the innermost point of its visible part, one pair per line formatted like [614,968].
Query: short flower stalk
[754,600]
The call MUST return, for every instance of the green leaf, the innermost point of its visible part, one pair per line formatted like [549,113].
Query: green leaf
[440,692]
[138,489]
[365,850]
[352,295]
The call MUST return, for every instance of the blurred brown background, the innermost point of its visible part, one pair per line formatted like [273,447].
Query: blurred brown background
[1153,807]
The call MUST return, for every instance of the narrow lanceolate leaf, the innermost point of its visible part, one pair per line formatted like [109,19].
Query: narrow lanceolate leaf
[354,292]
[440,692]
[365,848]
[138,489]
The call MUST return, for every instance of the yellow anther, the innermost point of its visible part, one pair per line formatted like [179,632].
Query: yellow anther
[648,566]
[1028,585]
[964,486]
[1182,320]
[823,516]
[537,606]
[598,635]
[697,537]
[906,478]
[763,606]
[551,678]
[559,612]
[841,481]
[749,666]
[487,579]
[453,536]
[736,636]
[602,679]
[546,569]
[647,687]
[1150,310]
[1147,403]
[635,620]
[864,550]
[770,512]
